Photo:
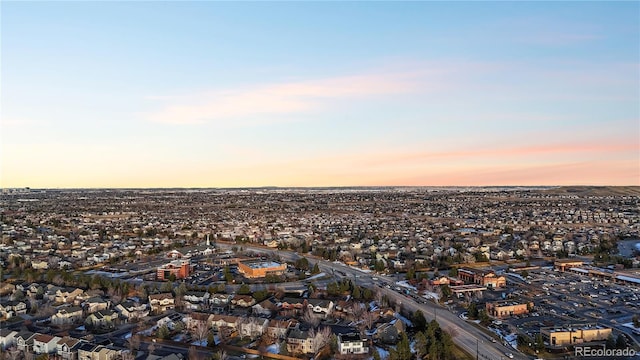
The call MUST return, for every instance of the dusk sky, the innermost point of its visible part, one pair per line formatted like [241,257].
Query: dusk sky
[237,94]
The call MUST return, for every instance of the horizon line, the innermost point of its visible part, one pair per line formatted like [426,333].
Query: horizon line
[315,187]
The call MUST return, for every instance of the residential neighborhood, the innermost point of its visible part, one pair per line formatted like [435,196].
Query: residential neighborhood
[318,273]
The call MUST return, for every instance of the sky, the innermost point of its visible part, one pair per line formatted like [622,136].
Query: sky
[243,94]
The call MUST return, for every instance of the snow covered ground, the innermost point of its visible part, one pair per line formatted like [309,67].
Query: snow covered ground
[431,295]
[274,349]
[384,354]
[317,276]
[404,283]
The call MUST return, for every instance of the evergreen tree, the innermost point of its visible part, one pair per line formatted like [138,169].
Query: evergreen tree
[163,332]
[402,350]
[356,293]
[421,345]
[419,321]
[472,311]
[244,289]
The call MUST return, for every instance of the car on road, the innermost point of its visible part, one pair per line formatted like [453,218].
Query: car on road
[509,355]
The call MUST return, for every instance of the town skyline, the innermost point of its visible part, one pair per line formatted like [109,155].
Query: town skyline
[231,95]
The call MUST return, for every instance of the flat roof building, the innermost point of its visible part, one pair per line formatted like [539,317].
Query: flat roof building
[575,334]
[259,269]
[179,268]
[564,264]
[503,309]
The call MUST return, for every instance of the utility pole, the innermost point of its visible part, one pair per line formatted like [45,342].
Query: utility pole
[477,349]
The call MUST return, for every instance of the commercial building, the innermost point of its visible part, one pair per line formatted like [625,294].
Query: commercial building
[564,264]
[575,334]
[258,269]
[482,277]
[179,268]
[503,309]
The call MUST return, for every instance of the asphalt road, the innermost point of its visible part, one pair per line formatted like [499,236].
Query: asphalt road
[468,336]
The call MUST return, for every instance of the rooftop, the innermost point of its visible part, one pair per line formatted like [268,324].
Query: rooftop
[261,264]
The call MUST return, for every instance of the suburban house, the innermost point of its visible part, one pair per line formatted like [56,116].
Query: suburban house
[197,319]
[277,329]
[161,303]
[67,295]
[243,301]
[102,318]
[194,300]
[169,321]
[7,338]
[9,309]
[320,306]
[252,327]
[266,307]
[130,310]
[45,344]
[220,299]
[88,351]
[96,303]
[67,348]
[24,341]
[352,343]
[292,303]
[300,342]
[389,332]
[223,321]
[67,315]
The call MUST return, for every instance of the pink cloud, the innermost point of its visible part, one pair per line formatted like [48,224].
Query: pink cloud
[282,98]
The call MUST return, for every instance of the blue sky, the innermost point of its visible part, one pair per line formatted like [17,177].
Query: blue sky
[153,94]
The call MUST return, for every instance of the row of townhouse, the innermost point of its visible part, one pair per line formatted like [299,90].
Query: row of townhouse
[197,301]
[271,306]
[66,348]
[251,327]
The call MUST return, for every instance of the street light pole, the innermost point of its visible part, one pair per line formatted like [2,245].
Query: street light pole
[477,348]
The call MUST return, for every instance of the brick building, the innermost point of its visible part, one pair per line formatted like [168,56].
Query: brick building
[179,268]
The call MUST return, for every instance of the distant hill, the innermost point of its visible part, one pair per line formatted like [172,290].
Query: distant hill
[594,190]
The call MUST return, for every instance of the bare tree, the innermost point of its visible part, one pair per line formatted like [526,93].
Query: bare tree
[321,338]
[46,310]
[201,331]
[127,355]
[134,343]
[369,318]
[14,353]
[357,309]
[310,318]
